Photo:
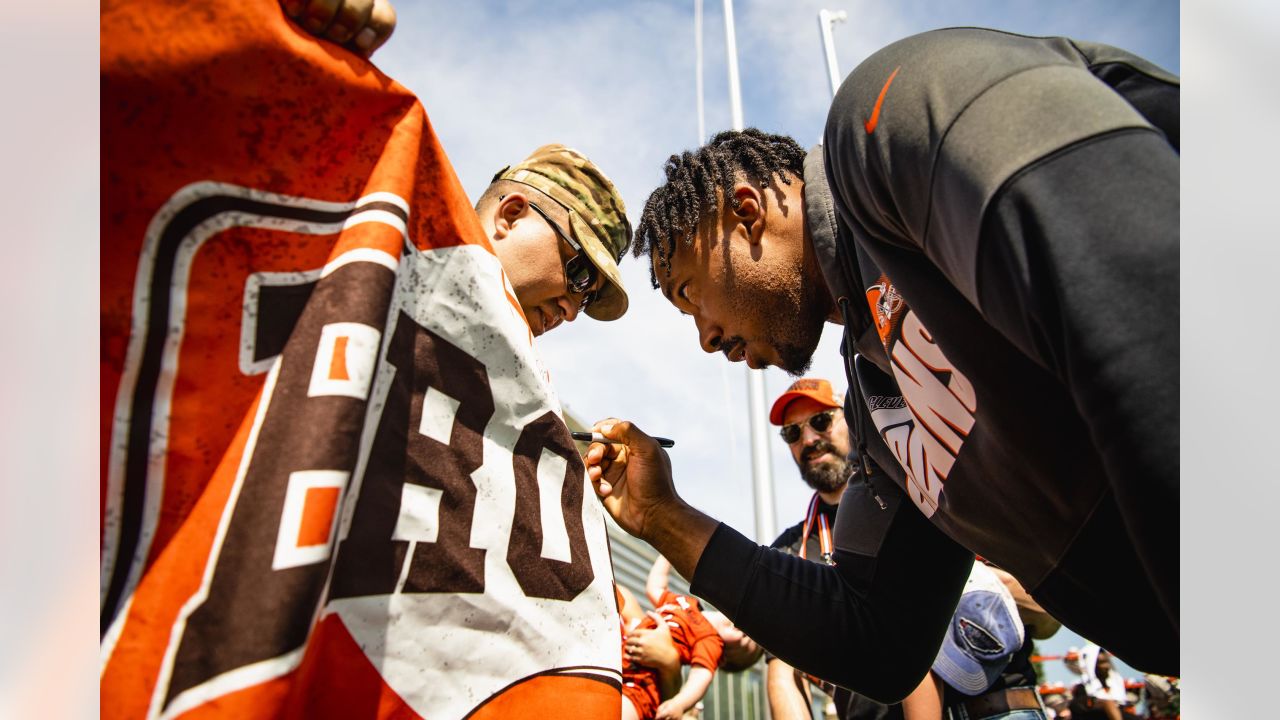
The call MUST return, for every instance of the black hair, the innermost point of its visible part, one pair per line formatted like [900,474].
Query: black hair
[678,207]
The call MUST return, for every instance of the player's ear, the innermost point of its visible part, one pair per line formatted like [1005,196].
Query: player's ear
[748,211]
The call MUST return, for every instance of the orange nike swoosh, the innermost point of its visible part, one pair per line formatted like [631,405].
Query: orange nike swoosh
[870,125]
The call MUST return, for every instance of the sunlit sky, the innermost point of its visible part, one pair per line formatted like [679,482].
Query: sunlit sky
[617,81]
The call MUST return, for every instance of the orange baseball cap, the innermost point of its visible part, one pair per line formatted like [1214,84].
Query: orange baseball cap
[815,389]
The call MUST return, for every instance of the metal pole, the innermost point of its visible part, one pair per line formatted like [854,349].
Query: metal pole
[761,465]
[697,31]
[826,19]
[731,49]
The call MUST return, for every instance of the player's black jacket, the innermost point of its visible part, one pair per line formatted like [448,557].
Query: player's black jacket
[998,217]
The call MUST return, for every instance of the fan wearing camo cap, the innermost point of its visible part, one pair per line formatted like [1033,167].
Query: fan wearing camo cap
[559,228]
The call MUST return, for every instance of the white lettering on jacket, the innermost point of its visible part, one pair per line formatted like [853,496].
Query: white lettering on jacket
[941,405]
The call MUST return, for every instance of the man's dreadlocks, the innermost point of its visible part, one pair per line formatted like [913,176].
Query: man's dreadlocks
[678,207]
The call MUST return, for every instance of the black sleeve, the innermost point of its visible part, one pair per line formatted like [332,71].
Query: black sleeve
[1081,260]
[871,624]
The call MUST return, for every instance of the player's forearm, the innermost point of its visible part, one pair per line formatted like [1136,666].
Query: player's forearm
[680,533]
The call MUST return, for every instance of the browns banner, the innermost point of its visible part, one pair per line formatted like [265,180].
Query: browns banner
[335,481]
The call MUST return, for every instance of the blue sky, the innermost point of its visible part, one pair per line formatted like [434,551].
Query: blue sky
[617,81]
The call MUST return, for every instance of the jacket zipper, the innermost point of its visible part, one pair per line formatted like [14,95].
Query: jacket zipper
[859,405]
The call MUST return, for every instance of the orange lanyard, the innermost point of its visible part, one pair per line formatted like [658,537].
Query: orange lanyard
[824,531]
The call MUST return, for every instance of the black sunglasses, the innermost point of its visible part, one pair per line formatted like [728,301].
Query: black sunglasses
[821,422]
[579,271]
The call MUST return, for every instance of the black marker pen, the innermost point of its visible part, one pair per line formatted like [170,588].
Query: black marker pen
[597,437]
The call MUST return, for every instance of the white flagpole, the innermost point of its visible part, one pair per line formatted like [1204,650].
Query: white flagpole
[826,19]
[731,49]
[697,30]
[761,465]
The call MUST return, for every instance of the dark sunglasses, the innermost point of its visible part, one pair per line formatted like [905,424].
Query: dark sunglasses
[579,271]
[820,422]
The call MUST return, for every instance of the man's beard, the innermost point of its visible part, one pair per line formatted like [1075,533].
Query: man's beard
[826,476]
[797,334]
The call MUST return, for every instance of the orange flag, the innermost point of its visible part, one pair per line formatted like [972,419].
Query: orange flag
[335,481]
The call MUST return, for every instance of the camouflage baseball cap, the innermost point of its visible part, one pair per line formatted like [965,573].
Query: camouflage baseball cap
[597,217]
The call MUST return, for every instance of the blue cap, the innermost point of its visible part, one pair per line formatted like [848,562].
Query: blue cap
[985,632]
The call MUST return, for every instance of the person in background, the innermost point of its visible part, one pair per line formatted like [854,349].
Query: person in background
[678,633]
[1083,707]
[812,425]
[983,670]
[1132,696]
[1102,682]
[644,684]
[1162,697]
[739,651]
[1055,697]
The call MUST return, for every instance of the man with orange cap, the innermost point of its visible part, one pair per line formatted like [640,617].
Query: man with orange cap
[813,427]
